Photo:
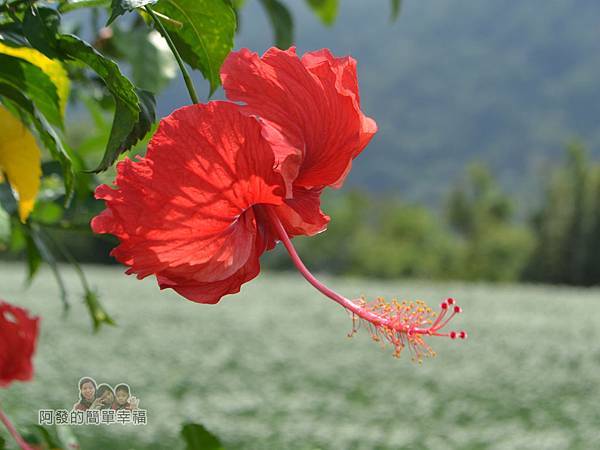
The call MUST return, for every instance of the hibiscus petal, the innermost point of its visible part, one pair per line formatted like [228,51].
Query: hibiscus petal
[346,80]
[313,104]
[302,215]
[194,288]
[184,212]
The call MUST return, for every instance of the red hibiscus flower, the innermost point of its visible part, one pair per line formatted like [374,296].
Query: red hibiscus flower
[312,107]
[184,212]
[199,235]
[222,182]
[18,335]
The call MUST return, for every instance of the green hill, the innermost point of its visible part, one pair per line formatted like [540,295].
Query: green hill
[505,83]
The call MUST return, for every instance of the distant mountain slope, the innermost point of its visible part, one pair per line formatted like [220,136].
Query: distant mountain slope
[507,83]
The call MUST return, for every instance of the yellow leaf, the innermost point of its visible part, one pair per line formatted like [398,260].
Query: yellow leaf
[51,67]
[20,160]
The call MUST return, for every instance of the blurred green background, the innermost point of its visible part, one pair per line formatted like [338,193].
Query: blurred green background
[483,183]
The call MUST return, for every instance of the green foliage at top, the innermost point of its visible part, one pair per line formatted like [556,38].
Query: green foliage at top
[205,37]
[143,49]
[282,22]
[33,83]
[396,7]
[51,140]
[120,7]
[4,229]
[326,9]
[133,116]
[40,26]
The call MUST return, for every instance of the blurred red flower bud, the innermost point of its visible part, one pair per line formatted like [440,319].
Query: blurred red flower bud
[18,336]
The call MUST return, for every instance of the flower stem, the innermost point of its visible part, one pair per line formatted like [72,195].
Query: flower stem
[377,320]
[346,303]
[403,324]
[186,76]
[13,431]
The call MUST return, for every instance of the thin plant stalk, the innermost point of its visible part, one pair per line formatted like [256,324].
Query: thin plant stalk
[186,76]
[13,431]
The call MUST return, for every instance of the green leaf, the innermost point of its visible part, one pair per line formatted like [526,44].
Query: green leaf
[147,116]
[46,134]
[237,5]
[133,115]
[144,48]
[396,8]
[59,437]
[7,199]
[199,438]
[47,212]
[72,5]
[120,7]
[12,33]
[40,27]
[44,252]
[18,241]
[326,10]
[51,67]
[34,259]
[34,84]
[48,437]
[2,443]
[97,312]
[281,21]
[206,37]
[5,228]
